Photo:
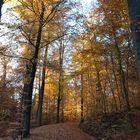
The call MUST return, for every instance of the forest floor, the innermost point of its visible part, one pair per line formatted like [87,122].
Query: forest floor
[111,126]
[62,131]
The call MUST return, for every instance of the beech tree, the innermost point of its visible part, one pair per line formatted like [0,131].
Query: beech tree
[134,12]
[44,16]
[61,81]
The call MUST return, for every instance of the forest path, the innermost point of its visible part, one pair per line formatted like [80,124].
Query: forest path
[62,131]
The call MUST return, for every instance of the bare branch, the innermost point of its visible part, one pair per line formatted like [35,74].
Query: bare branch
[53,12]
[14,56]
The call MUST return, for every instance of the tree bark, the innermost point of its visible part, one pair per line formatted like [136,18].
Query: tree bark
[61,78]
[1,4]
[102,102]
[41,92]
[28,87]
[125,95]
[82,100]
[134,12]
[116,81]
[111,86]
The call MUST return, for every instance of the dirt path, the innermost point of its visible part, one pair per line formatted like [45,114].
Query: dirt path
[63,131]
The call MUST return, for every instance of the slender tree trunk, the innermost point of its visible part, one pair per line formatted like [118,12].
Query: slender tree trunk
[28,87]
[122,76]
[60,92]
[58,107]
[39,87]
[1,4]
[82,100]
[116,82]
[62,98]
[91,92]
[41,92]
[105,98]
[134,12]
[125,95]
[111,86]
[102,103]
[4,87]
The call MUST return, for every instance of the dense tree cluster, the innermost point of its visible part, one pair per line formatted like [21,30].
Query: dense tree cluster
[58,73]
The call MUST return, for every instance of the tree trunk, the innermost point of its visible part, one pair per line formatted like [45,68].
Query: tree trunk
[41,92]
[111,86]
[125,95]
[28,87]
[116,82]
[82,100]
[39,88]
[122,76]
[102,102]
[61,78]
[3,94]
[1,4]
[58,107]
[134,12]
